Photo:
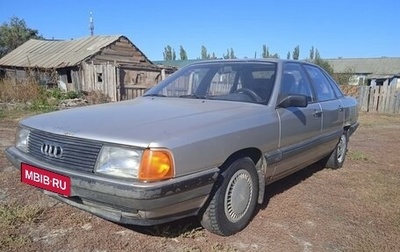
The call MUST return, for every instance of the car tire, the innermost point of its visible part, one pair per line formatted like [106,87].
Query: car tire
[337,157]
[233,200]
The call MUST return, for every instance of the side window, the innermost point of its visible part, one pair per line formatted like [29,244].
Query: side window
[294,81]
[323,88]
[338,91]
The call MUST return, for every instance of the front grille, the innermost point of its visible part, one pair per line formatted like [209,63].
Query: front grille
[77,154]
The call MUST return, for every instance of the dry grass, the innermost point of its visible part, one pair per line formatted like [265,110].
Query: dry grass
[29,95]
[357,155]
[19,92]
[96,97]
[370,120]
[13,216]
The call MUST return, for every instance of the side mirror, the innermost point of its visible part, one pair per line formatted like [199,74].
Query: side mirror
[293,101]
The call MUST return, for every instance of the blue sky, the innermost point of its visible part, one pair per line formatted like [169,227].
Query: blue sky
[348,29]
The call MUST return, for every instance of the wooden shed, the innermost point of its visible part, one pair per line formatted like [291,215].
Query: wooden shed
[112,65]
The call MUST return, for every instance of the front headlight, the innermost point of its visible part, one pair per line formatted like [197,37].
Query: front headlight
[21,139]
[118,161]
[145,165]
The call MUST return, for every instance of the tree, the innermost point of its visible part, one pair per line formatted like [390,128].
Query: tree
[168,54]
[296,53]
[265,53]
[15,33]
[204,53]
[312,53]
[232,54]
[182,53]
[288,55]
[173,54]
[346,77]
[275,55]
[226,56]
[317,55]
[322,63]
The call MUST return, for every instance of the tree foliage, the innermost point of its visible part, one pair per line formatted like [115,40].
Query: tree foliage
[274,55]
[173,54]
[226,56]
[288,55]
[168,53]
[230,54]
[15,33]
[346,77]
[265,52]
[296,53]
[182,53]
[322,63]
[204,53]
[312,53]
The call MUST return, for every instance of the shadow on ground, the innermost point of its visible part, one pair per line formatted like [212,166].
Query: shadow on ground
[188,226]
[284,184]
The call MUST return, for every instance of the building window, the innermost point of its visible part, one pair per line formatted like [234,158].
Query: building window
[69,78]
[99,77]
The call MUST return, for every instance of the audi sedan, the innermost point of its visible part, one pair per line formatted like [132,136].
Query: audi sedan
[206,141]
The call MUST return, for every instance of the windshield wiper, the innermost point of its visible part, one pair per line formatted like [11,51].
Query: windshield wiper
[193,96]
[154,95]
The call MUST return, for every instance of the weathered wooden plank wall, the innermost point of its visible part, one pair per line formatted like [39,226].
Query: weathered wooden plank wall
[135,80]
[100,78]
[128,93]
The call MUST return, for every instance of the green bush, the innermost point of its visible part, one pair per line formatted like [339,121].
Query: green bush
[73,95]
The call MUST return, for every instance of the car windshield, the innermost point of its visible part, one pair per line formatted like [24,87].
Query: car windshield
[233,81]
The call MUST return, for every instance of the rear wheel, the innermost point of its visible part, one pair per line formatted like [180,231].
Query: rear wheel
[234,200]
[337,157]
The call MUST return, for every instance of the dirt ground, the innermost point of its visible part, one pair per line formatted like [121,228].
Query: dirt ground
[356,208]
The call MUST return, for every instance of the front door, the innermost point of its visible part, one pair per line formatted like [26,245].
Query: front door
[300,128]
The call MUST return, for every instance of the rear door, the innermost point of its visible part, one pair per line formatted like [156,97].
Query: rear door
[332,108]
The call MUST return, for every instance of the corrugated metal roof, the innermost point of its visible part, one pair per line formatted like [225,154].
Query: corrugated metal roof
[366,65]
[56,54]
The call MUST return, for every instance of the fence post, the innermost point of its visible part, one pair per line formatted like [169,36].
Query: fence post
[383,97]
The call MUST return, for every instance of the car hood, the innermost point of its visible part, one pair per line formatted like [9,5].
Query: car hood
[141,122]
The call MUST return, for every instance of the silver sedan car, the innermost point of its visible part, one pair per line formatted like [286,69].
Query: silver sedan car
[206,141]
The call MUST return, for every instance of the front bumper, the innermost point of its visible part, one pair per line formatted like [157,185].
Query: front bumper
[129,202]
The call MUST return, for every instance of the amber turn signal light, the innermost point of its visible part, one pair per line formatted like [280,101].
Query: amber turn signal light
[156,164]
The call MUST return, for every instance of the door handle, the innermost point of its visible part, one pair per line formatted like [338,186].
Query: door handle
[341,109]
[317,113]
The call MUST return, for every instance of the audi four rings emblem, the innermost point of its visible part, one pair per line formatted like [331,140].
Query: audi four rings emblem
[51,150]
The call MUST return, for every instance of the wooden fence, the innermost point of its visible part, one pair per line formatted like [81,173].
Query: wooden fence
[379,99]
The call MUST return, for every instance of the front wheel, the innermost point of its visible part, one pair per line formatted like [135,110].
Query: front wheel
[337,157]
[233,203]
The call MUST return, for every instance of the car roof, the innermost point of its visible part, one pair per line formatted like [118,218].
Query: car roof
[263,60]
